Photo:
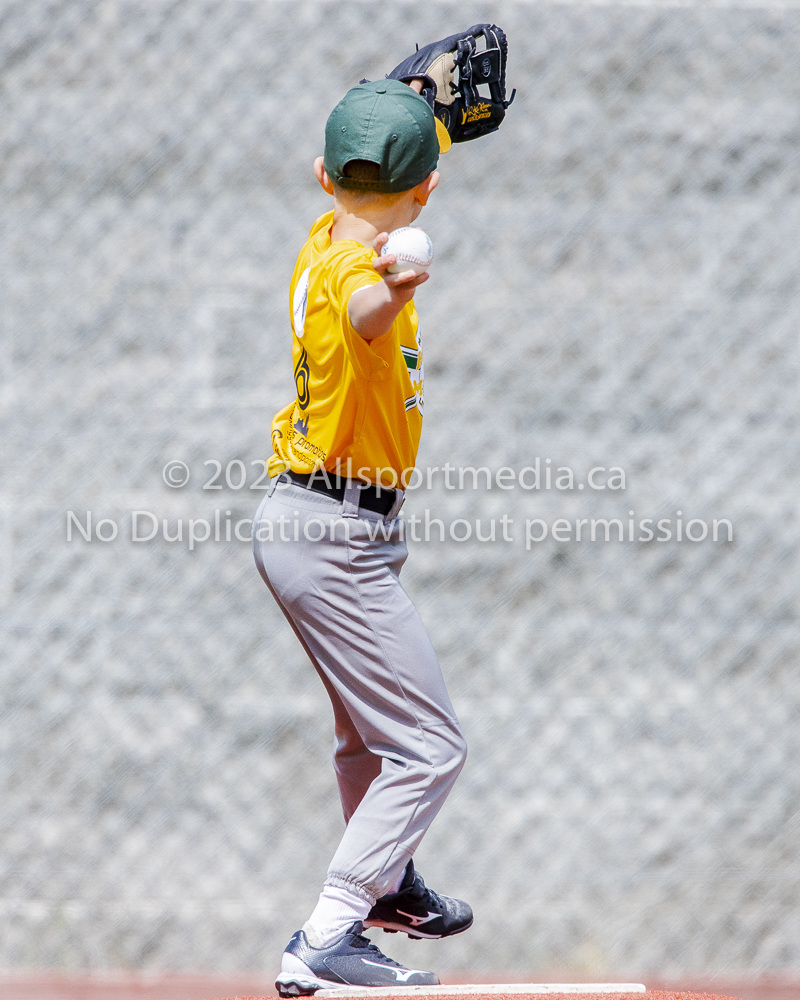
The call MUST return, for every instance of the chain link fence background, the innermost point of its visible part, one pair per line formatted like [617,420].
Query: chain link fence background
[616,285]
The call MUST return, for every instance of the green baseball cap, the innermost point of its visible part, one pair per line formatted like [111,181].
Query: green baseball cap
[387,123]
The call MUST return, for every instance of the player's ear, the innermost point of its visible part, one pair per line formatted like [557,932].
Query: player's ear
[321,174]
[424,190]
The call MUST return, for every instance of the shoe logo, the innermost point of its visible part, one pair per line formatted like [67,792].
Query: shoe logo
[401,975]
[418,921]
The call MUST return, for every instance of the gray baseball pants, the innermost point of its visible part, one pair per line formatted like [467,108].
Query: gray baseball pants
[398,747]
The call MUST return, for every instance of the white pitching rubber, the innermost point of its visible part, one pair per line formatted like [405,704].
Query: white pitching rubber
[487,989]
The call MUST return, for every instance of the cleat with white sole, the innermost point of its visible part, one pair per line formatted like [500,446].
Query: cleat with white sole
[352,963]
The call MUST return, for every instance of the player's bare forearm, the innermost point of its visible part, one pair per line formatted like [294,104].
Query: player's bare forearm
[372,310]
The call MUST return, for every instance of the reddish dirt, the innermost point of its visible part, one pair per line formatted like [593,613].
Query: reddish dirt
[61,985]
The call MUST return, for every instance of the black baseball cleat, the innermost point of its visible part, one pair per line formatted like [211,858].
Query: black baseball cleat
[418,911]
[353,961]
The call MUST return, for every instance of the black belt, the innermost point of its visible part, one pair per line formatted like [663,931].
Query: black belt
[367,495]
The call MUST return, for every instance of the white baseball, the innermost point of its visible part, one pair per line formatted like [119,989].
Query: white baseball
[412,247]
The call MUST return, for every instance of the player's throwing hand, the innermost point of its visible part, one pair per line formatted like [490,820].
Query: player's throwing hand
[408,280]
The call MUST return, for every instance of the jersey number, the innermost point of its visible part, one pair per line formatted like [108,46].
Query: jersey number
[301,376]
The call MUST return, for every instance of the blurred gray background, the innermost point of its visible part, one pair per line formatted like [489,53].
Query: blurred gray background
[616,284]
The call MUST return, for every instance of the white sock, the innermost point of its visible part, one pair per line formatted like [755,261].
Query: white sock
[334,914]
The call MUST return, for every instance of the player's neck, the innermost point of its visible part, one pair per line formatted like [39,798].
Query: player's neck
[363,224]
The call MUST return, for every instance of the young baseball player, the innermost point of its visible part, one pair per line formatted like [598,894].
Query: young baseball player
[329,544]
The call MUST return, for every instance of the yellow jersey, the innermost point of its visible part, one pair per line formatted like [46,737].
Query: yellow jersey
[359,404]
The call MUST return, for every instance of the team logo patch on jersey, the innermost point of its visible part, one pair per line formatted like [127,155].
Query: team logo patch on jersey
[416,373]
[411,357]
[301,426]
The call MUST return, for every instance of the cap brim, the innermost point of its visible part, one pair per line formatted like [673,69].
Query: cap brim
[445,142]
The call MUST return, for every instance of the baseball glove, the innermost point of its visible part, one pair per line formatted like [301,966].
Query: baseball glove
[464,112]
